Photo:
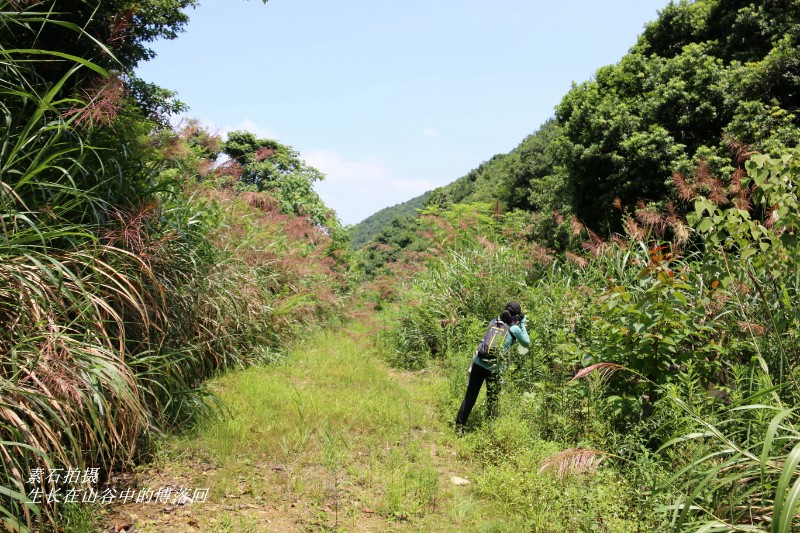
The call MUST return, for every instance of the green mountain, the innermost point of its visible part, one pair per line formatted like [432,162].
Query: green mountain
[369,228]
[520,179]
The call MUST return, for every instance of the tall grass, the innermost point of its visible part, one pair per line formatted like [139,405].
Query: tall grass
[121,289]
[727,319]
[447,305]
[706,422]
[67,396]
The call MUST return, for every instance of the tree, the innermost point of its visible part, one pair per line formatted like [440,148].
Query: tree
[114,36]
[613,145]
[703,73]
[267,165]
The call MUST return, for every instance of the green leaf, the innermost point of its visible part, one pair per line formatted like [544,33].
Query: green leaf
[76,59]
[759,160]
[705,225]
[787,509]
[769,439]
[747,252]
[788,471]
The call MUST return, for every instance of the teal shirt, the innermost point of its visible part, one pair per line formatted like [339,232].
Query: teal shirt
[515,333]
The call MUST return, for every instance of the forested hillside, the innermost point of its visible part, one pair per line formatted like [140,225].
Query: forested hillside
[366,230]
[706,82]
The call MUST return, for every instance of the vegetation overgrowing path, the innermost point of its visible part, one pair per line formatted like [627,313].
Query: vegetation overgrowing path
[331,439]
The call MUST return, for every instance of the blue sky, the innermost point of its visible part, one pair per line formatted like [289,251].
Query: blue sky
[390,99]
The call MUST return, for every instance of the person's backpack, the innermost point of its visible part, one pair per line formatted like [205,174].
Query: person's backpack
[490,347]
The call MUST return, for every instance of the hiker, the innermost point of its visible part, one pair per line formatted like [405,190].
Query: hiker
[486,364]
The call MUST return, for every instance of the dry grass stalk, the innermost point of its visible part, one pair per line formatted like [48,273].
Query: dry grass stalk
[540,255]
[104,99]
[486,243]
[595,244]
[120,28]
[577,461]
[757,329]
[742,201]
[604,369]
[263,153]
[771,218]
[686,192]
[680,230]
[232,170]
[576,260]
[576,226]
[741,152]
[649,217]
[735,186]
[633,230]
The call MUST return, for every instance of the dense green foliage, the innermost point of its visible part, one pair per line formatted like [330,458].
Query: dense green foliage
[265,165]
[685,362]
[702,73]
[113,36]
[126,279]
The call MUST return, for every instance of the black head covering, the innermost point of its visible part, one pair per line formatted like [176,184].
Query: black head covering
[513,310]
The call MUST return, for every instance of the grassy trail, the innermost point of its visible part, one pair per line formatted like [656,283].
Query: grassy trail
[332,439]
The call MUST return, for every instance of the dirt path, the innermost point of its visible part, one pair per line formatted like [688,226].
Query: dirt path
[332,440]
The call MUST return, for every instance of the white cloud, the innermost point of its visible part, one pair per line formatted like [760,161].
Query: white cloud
[341,171]
[357,188]
[430,133]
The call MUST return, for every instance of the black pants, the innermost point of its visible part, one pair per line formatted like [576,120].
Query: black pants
[476,379]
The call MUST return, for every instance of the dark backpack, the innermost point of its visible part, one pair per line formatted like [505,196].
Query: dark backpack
[490,347]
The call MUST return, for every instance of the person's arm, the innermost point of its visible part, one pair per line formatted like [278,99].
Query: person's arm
[521,334]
